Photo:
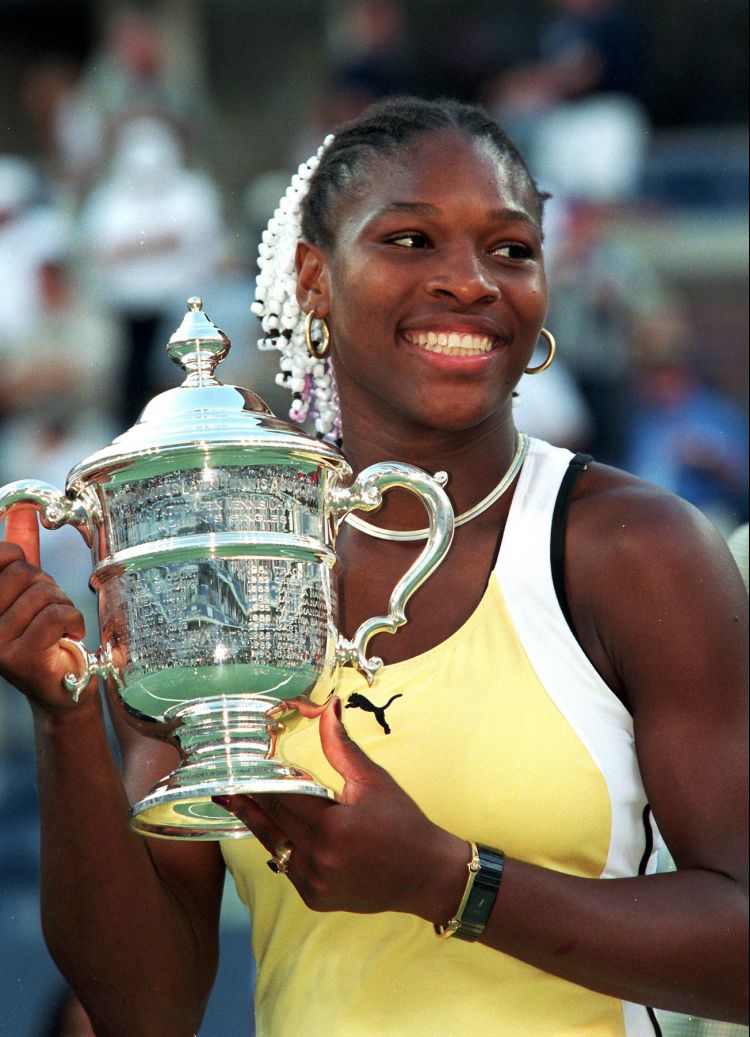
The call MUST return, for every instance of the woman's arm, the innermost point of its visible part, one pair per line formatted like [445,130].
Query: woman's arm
[131,923]
[661,607]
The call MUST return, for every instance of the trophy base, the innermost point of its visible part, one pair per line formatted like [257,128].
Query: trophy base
[228,746]
[180,808]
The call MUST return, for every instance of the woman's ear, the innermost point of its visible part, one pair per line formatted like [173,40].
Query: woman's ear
[312,279]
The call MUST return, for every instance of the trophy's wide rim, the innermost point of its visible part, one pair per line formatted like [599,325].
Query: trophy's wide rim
[210,445]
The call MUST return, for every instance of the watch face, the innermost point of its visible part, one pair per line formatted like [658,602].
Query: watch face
[485,875]
[483,893]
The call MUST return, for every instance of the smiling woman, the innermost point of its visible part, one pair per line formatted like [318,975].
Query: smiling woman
[570,687]
[418,241]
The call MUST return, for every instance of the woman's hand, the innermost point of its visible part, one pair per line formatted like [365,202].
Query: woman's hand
[34,615]
[372,851]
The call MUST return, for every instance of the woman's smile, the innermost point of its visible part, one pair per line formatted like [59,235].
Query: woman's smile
[451,343]
[452,335]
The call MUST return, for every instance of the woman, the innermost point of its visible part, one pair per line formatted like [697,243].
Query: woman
[528,720]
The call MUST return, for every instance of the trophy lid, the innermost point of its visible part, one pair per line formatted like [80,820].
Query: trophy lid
[204,415]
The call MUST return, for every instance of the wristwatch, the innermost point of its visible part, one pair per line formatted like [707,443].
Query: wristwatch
[485,875]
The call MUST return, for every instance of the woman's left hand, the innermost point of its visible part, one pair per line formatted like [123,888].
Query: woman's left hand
[374,850]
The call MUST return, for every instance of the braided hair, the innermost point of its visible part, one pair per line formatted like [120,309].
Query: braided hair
[308,211]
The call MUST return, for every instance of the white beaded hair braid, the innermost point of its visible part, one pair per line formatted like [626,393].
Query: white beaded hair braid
[309,378]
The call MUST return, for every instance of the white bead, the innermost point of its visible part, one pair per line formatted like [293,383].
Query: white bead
[276,286]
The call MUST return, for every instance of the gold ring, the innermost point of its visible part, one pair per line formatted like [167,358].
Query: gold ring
[279,863]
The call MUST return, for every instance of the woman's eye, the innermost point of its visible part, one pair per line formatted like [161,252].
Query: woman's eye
[512,250]
[410,240]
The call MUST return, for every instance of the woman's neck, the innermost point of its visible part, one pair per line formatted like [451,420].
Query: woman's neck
[475,460]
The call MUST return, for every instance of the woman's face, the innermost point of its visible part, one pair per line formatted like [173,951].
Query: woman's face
[434,290]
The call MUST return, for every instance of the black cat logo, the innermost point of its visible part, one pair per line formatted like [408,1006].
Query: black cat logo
[357,701]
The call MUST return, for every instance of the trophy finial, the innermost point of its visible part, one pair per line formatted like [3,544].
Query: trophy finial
[198,346]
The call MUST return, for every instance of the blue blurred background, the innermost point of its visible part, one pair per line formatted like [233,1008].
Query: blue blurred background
[143,148]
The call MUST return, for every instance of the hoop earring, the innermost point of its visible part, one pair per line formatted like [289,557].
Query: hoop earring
[552,346]
[317,350]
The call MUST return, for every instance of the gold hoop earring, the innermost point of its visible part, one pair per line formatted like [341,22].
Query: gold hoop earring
[552,346]
[318,350]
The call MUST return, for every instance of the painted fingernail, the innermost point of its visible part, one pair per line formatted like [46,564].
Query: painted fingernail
[221,801]
[337,707]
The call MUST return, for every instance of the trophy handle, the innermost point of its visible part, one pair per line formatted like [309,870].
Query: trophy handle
[55,510]
[365,493]
[54,507]
[95,664]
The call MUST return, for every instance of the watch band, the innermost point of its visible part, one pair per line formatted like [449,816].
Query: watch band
[485,875]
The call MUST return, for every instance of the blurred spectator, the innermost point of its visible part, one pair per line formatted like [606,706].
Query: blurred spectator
[603,294]
[152,234]
[128,77]
[58,391]
[684,435]
[31,232]
[575,111]
[61,375]
[590,47]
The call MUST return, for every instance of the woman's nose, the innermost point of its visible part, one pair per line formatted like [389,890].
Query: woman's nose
[461,273]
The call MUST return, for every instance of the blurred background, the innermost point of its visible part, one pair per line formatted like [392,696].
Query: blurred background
[143,147]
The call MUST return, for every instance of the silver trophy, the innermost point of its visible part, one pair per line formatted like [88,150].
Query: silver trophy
[212,527]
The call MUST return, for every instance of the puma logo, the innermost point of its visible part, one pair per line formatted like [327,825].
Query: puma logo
[357,701]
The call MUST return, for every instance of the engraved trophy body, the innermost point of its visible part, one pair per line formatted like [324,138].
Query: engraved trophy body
[212,528]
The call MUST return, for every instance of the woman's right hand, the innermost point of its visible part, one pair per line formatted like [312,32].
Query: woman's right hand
[34,615]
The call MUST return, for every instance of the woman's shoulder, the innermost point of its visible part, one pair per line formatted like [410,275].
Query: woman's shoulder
[648,578]
[624,517]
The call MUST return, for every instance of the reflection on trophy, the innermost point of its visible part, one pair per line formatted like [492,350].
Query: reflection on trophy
[212,527]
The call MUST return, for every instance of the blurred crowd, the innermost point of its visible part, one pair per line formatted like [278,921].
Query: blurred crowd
[119,216]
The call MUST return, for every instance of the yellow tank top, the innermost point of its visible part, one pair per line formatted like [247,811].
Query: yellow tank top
[497,754]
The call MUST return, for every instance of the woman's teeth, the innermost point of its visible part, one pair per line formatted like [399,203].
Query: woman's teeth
[452,343]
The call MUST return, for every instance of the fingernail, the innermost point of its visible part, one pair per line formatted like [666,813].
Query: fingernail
[337,707]
[221,801]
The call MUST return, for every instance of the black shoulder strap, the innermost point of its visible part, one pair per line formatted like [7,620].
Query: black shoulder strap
[578,464]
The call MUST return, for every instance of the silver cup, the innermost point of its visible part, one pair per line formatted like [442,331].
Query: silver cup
[212,527]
